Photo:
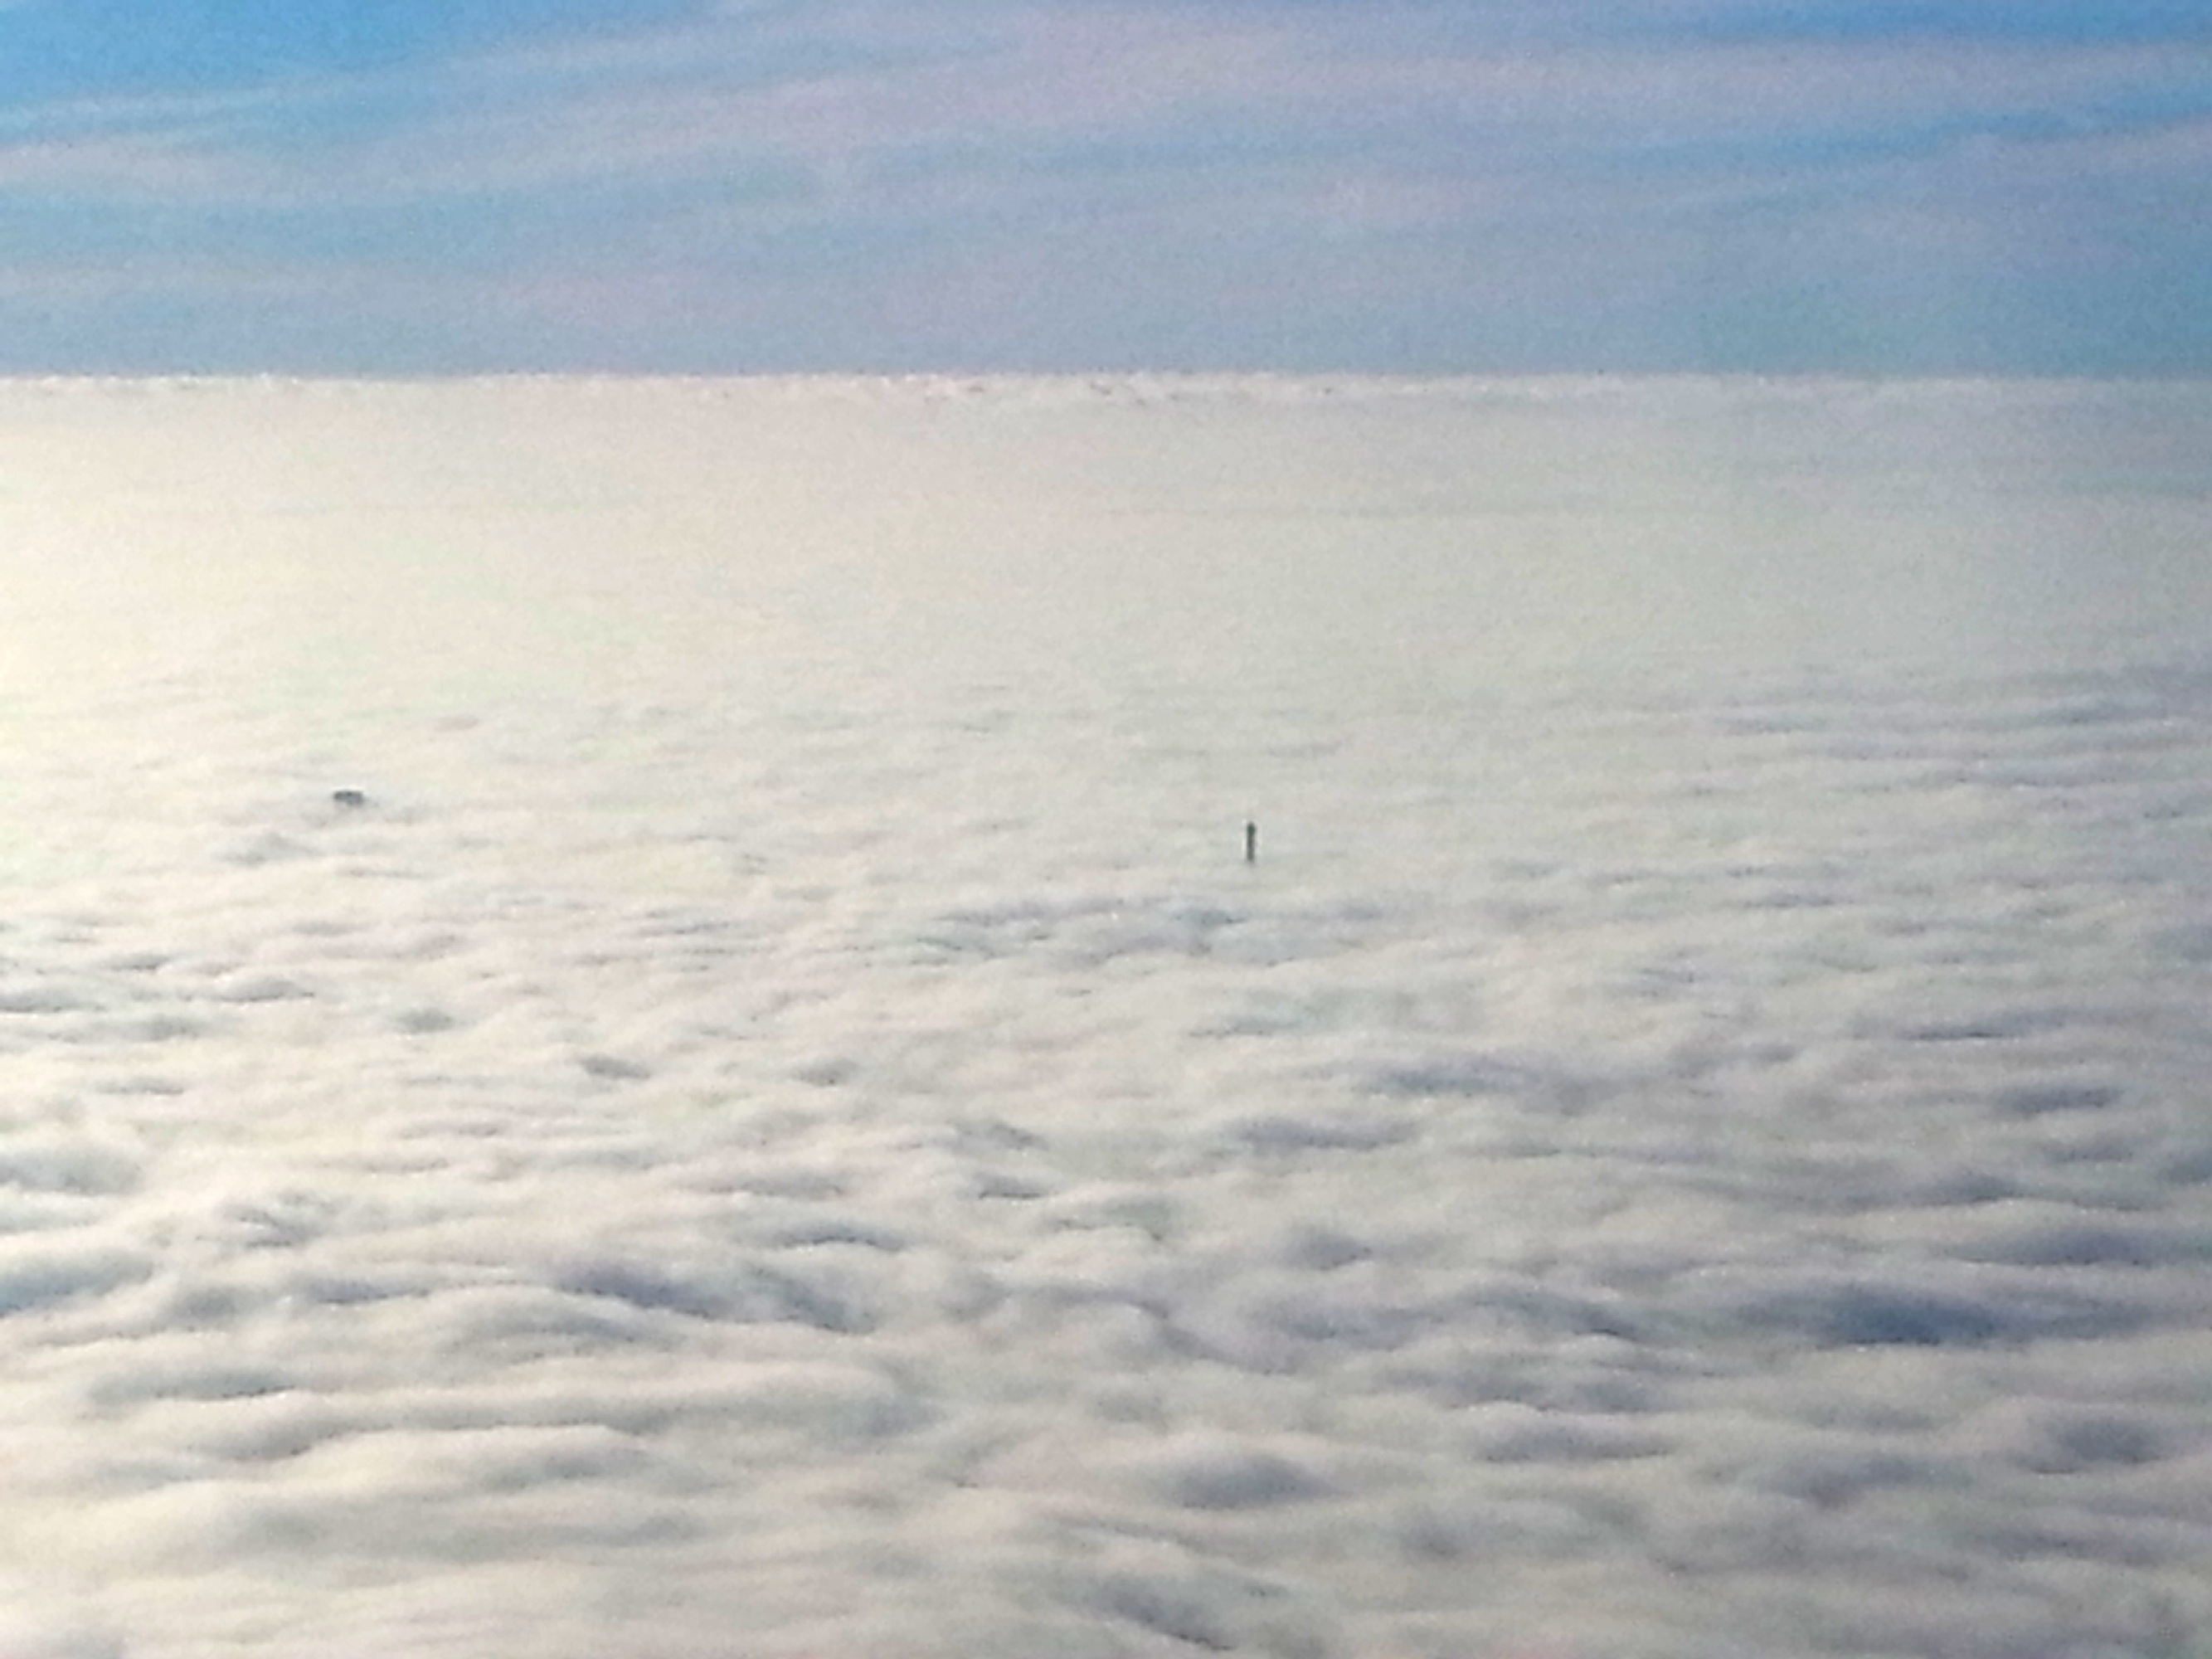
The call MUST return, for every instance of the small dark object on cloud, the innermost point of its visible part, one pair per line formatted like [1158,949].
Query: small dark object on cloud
[348,797]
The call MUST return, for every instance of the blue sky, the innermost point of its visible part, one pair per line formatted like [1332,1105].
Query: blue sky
[1874,186]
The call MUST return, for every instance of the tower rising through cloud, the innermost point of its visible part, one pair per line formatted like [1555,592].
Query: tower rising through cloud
[541,185]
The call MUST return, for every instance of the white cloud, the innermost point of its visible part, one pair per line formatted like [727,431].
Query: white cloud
[783,1115]
[859,86]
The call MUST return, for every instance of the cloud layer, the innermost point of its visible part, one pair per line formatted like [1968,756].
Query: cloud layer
[782,1124]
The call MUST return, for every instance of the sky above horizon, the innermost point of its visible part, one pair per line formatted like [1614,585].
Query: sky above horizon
[427,186]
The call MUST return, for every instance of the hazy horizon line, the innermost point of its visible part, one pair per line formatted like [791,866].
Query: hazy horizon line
[938,378]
